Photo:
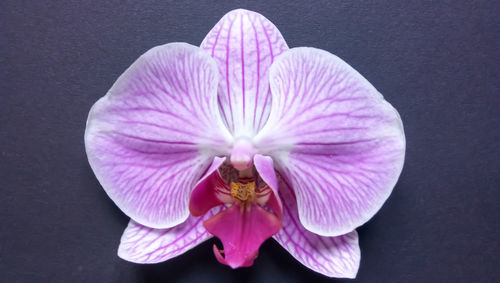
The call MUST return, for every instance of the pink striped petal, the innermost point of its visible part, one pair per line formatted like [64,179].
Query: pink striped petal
[153,135]
[331,256]
[244,44]
[334,137]
[141,244]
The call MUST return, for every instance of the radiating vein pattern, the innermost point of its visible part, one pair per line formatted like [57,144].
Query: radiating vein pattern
[332,256]
[334,137]
[152,136]
[244,44]
[143,244]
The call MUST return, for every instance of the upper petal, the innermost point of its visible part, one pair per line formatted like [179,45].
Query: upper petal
[332,256]
[155,132]
[244,44]
[334,137]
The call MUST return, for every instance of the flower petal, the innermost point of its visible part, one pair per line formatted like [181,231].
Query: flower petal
[244,44]
[331,256]
[265,167]
[210,191]
[152,136]
[242,231]
[334,137]
[141,244]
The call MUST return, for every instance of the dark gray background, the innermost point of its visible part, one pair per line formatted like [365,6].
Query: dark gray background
[435,61]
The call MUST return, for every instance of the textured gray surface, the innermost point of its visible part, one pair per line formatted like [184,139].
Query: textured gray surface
[435,61]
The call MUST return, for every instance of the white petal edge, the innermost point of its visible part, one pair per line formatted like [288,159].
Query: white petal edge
[333,137]
[141,244]
[331,256]
[152,136]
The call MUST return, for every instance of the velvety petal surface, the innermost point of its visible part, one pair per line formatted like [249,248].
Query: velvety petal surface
[141,244]
[331,256]
[153,135]
[334,138]
[244,44]
[242,232]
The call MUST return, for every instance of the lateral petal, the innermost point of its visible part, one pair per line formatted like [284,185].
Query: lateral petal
[331,256]
[156,131]
[244,44]
[334,138]
[141,244]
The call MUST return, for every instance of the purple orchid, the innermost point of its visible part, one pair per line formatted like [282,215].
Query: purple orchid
[245,139]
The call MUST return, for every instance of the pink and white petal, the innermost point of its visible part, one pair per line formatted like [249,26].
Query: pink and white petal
[265,167]
[141,244]
[331,256]
[334,138]
[244,44]
[156,131]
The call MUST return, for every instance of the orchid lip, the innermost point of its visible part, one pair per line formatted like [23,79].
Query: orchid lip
[252,212]
[224,184]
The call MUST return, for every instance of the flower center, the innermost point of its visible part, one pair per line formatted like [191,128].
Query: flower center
[243,191]
[242,154]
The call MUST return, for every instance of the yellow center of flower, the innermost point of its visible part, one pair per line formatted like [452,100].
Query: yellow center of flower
[243,191]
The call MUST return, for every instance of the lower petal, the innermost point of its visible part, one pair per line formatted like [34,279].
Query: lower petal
[142,244]
[242,231]
[331,256]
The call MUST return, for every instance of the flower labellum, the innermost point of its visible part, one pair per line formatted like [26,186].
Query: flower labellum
[245,139]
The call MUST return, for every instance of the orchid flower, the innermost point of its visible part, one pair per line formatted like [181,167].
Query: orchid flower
[245,139]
